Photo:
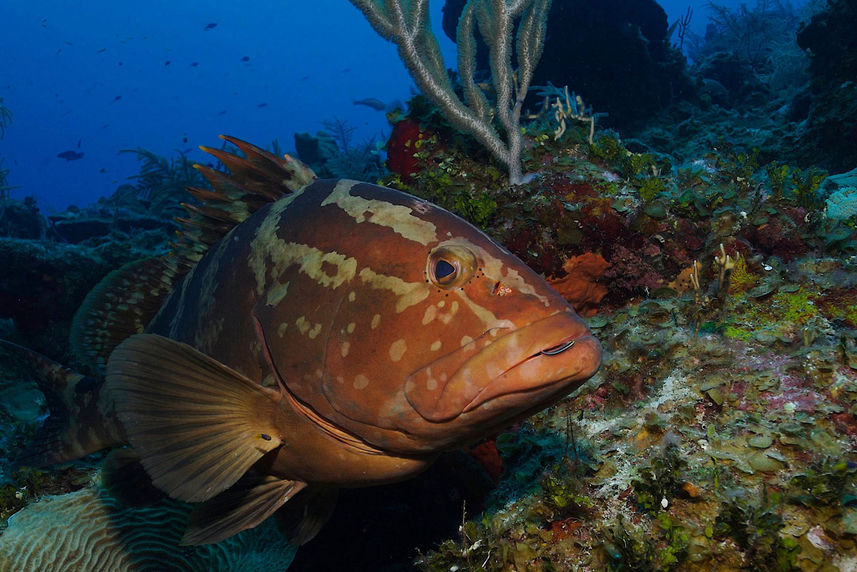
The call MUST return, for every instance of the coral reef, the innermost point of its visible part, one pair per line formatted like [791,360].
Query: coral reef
[720,432]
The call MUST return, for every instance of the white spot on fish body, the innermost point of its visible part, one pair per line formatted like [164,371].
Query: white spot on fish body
[376,319]
[350,327]
[281,329]
[397,350]
[315,331]
[431,384]
[343,349]
[352,296]
[303,325]
[430,314]
[466,340]
[361,382]
[435,345]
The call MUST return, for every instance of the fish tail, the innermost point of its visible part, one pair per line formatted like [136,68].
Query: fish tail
[81,421]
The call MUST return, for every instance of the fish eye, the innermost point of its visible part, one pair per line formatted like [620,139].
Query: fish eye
[450,266]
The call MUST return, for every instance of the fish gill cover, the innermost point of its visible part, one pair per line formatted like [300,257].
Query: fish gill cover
[692,197]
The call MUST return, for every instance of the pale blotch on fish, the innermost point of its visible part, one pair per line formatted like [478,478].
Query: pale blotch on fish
[430,315]
[397,350]
[361,382]
[398,218]
[303,325]
[408,293]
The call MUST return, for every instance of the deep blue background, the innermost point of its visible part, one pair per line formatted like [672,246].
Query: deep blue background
[96,73]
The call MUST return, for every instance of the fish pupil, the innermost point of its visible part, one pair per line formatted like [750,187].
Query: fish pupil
[443,269]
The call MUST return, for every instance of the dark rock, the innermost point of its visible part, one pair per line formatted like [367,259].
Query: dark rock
[45,289]
[74,228]
[21,219]
[401,518]
[830,139]
[315,150]
[733,73]
[616,54]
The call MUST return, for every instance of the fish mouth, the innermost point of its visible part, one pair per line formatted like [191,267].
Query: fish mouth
[551,353]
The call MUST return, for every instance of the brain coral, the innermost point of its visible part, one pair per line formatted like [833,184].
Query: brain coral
[89,530]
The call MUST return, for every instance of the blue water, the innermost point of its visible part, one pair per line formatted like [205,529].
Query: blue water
[97,77]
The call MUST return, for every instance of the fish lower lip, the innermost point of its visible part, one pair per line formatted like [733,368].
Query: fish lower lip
[558,349]
[516,361]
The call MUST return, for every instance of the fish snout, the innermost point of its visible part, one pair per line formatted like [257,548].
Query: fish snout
[553,352]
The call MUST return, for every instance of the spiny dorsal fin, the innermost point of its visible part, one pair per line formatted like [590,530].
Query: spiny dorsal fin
[254,180]
[126,300]
[197,424]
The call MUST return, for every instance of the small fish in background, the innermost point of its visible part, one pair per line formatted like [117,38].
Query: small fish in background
[166,63]
[194,64]
[118,97]
[263,104]
[245,59]
[210,26]
[70,155]
[372,102]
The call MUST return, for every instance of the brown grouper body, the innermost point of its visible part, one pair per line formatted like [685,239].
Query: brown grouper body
[342,335]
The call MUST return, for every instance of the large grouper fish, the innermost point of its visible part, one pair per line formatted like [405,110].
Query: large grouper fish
[306,335]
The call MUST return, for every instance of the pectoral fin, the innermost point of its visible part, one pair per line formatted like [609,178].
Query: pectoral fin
[247,504]
[197,424]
